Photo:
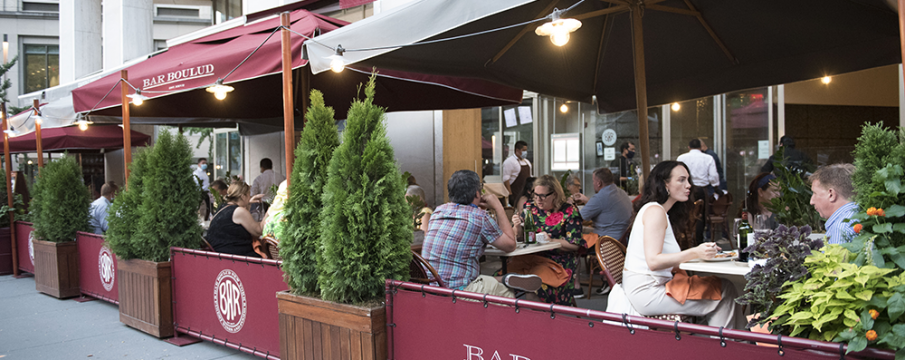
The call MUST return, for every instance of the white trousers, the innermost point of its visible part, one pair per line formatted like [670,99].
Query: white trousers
[648,296]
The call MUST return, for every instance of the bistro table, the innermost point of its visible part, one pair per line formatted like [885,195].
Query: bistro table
[521,249]
[729,270]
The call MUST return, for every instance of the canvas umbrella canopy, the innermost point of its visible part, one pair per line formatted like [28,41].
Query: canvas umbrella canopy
[72,139]
[627,53]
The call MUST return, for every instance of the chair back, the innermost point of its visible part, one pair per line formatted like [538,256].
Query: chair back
[421,272]
[273,247]
[720,207]
[206,246]
[611,256]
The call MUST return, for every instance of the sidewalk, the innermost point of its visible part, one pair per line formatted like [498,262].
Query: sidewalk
[37,326]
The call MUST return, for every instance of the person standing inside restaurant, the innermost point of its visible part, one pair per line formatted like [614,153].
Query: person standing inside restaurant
[832,193]
[460,230]
[624,163]
[791,157]
[201,173]
[516,171]
[560,222]
[719,165]
[704,177]
[263,185]
[651,278]
[98,220]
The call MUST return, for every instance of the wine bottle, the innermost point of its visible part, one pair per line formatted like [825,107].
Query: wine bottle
[745,236]
[529,228]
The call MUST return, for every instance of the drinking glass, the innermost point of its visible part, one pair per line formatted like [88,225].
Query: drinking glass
[733,232]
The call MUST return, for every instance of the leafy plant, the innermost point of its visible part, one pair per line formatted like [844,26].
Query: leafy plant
[61,202]
[7,82]
[785,249]
[876,149]
[793,208]
[300,238]
[563,185]
[844,302]
[123,214]
[18,204]
[367,228]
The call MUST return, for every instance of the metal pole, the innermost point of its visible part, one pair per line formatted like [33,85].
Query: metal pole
[40,151]
[9,193]
[641,89]
[288,114]
[127,133]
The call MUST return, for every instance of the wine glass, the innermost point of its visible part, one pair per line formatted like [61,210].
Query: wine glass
[733,232]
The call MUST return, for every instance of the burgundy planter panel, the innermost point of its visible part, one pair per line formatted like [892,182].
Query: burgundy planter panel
[24,247]
[439,324]
[97,268]
[6,252]
[231,298]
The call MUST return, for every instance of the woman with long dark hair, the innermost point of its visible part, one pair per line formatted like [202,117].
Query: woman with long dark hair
[761,190]
[653,255]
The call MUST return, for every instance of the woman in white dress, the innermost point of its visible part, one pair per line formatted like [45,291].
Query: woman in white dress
[653,255]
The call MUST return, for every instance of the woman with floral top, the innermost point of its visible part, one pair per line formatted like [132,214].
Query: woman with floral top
[561,222]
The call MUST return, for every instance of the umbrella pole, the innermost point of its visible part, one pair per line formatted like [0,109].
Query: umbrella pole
[127,132]
[902,31]
[9,193]
[288,115]
[38,138]
[641,90]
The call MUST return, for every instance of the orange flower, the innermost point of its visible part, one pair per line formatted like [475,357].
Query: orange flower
[880,212]
[873,314]
[871,335]
[857,228]
[872,211]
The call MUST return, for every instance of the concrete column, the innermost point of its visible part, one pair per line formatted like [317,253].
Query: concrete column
[80,39]
[127,30]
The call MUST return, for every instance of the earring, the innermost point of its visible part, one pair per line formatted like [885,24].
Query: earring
[667,192]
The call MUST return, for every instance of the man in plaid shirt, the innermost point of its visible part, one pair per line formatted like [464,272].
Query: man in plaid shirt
[460,230]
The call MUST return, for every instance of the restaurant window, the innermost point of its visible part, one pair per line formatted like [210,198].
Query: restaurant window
[40,6]
[228,157]
[42,67]
[225,10]
[501,128]
[611,130]
[692,119]
[747,140]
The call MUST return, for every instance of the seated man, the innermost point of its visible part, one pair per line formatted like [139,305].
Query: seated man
[460,230]
[98,219]
[610,208]
[833,189]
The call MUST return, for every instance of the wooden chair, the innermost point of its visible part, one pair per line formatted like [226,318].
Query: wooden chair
[687,239]
[206,246]
[419,269]
[272,246]
[611,258]
[719,212]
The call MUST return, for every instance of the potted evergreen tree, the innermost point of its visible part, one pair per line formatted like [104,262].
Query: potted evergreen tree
[157,211]
[60,209]
[365,237]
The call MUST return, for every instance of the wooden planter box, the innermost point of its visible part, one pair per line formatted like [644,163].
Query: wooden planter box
[312,328]
[146,296]
[57,268]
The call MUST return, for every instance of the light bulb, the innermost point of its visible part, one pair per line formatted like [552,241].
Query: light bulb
[137,101]
[676,106]
[560,38]
[38,120]
[564,108]
[826,79]
[83,125]
[220,95]
[219,90]
[337,64]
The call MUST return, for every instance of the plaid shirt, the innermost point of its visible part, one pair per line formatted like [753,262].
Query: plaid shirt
[455,239]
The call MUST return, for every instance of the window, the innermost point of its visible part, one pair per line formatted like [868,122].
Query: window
[160,45]
[42,67]
[225,10]
[40,6]
[178,12]
[227,154]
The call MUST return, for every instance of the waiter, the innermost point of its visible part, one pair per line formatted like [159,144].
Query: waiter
[516,171]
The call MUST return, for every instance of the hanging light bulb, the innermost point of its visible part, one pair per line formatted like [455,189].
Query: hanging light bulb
[675,106]
[219,90]
[337,63]
[83,124]
[564,108]
[137,98]
[558,29]
[826,79]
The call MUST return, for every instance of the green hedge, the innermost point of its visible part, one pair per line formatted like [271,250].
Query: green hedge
[61,201]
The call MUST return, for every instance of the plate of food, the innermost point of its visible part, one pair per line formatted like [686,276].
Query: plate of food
[724,256]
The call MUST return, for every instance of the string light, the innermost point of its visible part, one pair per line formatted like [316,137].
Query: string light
[219,90]
[826,80]
[83,124]
[558,29]
[675,106]
[337,63]
[137,98]
[564,108]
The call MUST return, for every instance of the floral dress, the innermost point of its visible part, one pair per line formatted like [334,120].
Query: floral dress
[564,223]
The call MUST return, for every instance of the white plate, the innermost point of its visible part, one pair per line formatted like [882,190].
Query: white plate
[723,258]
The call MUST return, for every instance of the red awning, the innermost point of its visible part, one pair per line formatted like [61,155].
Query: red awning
[184,71]
[74,140]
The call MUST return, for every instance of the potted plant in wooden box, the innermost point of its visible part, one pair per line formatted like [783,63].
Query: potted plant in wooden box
[6,256]
[157,210]
[60,209]
[362,239]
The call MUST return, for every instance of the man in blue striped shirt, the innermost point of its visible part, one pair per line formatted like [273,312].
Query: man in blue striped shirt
[833,189]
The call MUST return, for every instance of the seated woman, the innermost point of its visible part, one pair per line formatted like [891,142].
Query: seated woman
[232,229]
[760,192]
[527,196]
[422,217]
[653,255]
[561,223]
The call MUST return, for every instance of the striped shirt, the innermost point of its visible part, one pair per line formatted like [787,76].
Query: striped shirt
[455,240]
[837,230]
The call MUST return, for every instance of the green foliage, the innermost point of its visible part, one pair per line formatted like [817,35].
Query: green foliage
[300,238]
[835,303]
[18,204]
[206,134]
[60,204]
[794,207]
[7,83]
[123,213]
[877,148]
[564,186]
[367,227]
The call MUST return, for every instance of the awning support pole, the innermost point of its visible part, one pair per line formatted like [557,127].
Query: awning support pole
[40,151]
[902,32]
[288,114]
[9,192]
[641,90]
[127,132]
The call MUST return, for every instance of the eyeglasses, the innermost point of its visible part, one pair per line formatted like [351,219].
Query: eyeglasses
[541,197]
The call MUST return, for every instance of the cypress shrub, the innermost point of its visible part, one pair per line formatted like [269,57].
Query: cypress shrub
[876,148]
[61,202]
[367,230]
[300,237]
[123,213]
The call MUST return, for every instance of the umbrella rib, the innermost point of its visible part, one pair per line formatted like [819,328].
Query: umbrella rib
[711,32]
[600,48]
[524,31]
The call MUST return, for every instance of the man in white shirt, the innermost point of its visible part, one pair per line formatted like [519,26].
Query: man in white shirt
[201,173]
[266,180]
[704,176]
[516,171]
